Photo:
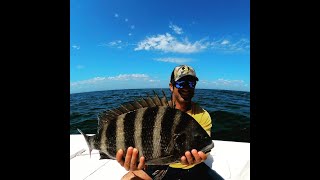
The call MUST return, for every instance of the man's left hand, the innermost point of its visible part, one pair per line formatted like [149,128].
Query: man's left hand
[194,157]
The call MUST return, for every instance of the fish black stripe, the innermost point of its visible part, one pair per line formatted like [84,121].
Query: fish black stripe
[111,137]
[166,126]
[129,129]
[185,119]
[147,132]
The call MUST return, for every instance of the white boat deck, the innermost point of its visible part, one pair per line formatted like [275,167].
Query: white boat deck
[231,160]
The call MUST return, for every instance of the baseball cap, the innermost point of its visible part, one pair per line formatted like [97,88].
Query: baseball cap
[182,71]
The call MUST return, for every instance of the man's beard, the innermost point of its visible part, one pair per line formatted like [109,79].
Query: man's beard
[187,96]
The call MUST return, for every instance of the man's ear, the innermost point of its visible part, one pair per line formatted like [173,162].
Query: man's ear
[171,87]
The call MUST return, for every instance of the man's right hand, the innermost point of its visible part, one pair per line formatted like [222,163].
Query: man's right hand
[130,161]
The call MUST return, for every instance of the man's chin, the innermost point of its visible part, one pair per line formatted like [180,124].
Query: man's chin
[186,98]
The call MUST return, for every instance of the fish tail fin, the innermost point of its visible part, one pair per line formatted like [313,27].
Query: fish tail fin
[89,140]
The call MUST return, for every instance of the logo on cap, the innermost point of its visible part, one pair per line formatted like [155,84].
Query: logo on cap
[184,70]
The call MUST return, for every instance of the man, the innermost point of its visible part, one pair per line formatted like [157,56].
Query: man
[182,86]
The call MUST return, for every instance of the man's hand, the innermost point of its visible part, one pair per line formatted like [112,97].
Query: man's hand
[130,162]
[194,157]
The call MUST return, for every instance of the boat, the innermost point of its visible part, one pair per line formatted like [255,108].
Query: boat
[230,159]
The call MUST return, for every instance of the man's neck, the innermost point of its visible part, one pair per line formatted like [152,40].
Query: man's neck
[183,106]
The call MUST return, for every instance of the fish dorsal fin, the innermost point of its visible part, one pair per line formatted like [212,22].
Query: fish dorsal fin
[156,99]
[149,101]
[143,102]
[112,114]
[164,99]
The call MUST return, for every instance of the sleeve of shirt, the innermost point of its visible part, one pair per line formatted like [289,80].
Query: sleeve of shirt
[206,122]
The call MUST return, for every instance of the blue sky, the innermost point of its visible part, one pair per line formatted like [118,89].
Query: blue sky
[124,44]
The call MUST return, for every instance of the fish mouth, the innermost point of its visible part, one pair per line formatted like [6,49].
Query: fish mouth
[208,148]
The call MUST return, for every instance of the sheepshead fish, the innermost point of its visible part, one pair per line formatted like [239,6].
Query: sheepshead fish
[161,133]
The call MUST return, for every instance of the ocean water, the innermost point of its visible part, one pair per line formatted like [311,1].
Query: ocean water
[229,110]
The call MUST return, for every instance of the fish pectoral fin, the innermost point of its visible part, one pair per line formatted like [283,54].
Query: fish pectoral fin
[174,143]
[162,161]
[179,144]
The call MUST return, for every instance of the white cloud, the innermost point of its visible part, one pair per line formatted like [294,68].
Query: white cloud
[174,60]
[117,44]
[152,80]
[229,82]
[224,42]
[127,77]
[169,43]
[84,82]
[224,84]
[120,77]
[175,28]
[76,47]
[121,81]
[231,46]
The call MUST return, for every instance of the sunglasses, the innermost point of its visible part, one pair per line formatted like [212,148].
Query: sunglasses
[182,84]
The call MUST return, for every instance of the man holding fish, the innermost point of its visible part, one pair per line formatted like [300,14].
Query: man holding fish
[182,86]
